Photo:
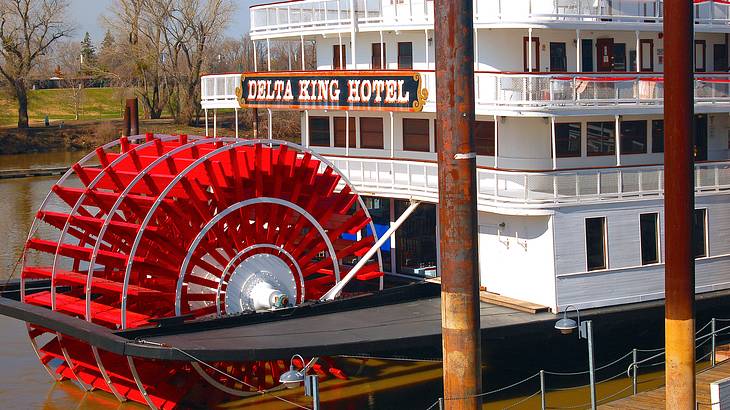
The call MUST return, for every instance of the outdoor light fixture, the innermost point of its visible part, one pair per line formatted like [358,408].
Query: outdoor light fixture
[566,326]
[293,378]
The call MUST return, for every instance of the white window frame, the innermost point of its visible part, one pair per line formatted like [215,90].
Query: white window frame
[606,258]
[658,232]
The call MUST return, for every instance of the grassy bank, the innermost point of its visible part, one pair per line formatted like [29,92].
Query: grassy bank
[59,105]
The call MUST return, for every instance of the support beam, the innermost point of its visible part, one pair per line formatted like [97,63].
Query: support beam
[236,122]
[304,66]
[255,124]
[553,143]
[617,131]
[268,55]
[638,52]
[335,291]
[206,123]
[255,56]
[457,206]
[215,122]
[529,50]
[392,135]
[679,201]
[578,52]
[271,124]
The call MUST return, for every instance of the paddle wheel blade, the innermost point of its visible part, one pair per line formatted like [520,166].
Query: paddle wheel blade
[152,227]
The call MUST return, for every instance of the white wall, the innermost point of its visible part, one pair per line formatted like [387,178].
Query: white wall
[517,260]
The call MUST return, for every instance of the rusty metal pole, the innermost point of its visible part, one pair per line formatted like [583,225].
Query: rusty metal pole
[133,106]
[457,207]
[679,203]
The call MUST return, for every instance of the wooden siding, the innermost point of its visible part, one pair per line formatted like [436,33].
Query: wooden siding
[626,281]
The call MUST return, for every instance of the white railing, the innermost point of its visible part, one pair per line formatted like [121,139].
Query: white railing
[219,91]
[561,90]
[291,17]
[419,180]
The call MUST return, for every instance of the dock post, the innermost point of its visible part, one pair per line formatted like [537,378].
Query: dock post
[679,201]
[713,355]
[457,207]
[133,105]
[543,405]
[634,381]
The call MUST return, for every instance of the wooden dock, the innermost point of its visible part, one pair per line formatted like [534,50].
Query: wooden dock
[654,399]
[32,172]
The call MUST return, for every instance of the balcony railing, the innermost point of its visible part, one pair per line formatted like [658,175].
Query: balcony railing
[581,89]
[530,91]
[419,179]
[219,91]
[291,17]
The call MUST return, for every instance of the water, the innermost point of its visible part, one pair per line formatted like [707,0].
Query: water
[373,384]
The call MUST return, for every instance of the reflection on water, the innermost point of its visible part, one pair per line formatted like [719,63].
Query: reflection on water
[40,160]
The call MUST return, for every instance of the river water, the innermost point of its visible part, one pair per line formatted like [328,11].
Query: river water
[373,384]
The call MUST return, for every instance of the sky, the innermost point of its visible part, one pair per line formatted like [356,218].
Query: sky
[86,15]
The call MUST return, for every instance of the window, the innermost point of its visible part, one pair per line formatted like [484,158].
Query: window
[719,57]
[341,131]
[649,227]
[700,55]
[339,57]
[484,137]
[601,138]
[371,132]
[700,233]
[535,53]
[596,244]
[633,137]
[567,140]
[558,57]
[657,136]
[405,55]
[415,134]
[587,55]
[319,131]
[378,59]
[619,56]
[379,209]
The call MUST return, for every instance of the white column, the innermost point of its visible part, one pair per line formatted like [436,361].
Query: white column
[332,130]
[215,122]
[554,143]
[383,65]
[432,136]
[496,141]
[268,55]
[393,267]
[236,109]
[425,32]
[392,136]
[306,128]
[271,124]
[288,52]
[206,122]
[347,133]
[339,36]
[638,52]
[255,56]
[353,34]
[529,50]
[618,141]
[303,65]
[578,51]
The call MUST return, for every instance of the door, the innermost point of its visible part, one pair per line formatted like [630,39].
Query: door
[719,60]
[604,54]
[619,57]
[558,58]
[647,55]
[586,55]
[700,137]
[700,55]
[535,54]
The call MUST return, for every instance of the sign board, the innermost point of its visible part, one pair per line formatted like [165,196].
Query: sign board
[334,90]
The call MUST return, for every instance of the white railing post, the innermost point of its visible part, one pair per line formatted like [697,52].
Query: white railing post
[713,357]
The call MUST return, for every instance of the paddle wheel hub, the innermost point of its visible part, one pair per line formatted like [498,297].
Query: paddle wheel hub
[162,226]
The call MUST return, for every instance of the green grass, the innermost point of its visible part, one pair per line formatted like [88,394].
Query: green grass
[58,105]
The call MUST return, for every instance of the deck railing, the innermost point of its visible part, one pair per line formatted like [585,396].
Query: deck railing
[294,16]
[526,90]
[219,90]
[419,179]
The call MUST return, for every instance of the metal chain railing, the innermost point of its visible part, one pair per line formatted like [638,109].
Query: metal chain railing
[631,372]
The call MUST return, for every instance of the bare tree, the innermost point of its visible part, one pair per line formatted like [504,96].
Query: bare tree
[28,30]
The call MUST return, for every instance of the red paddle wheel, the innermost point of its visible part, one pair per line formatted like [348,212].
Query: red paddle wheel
[160,226]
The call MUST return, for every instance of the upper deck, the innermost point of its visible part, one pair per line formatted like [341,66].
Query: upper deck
[303,17]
